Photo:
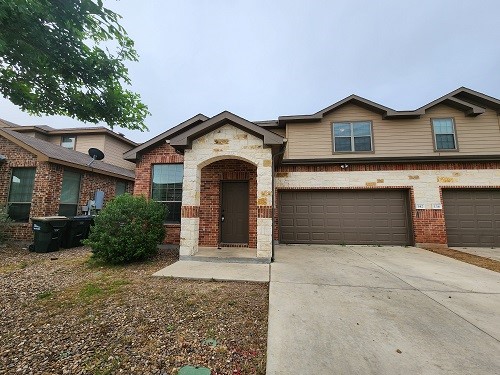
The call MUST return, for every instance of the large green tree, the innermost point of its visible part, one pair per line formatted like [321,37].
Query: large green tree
[67,57]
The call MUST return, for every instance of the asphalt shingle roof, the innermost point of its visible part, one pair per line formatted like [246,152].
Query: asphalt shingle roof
[57,152]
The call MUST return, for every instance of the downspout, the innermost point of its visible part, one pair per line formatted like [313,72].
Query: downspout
[280,152]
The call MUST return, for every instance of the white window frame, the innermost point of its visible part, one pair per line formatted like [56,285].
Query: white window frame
[454,134]
[352,136]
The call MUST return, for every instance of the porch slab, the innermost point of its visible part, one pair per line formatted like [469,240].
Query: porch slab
[196,270]
[226,255]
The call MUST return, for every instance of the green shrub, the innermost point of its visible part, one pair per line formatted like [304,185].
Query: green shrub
[128,229]
[4,222]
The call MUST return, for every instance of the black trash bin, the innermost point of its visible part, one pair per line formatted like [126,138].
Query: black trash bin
[48,233]
[78,229]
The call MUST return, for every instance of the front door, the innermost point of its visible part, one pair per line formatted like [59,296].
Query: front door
[234,212]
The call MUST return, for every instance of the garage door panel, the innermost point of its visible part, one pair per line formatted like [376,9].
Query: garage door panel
[286,209]
[318,223]
[482,224]
[302,209]
[345,216]
[302,222]
[301,236]
[317,209]
[472,217]
[483,210]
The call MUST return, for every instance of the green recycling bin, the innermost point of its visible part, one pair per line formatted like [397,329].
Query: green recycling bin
[48,233]
[77,229]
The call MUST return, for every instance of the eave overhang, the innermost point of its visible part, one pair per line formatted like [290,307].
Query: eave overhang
[393,160]
[133,154]
[470,102]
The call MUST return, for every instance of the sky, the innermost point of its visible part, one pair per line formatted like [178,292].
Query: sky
[263,59]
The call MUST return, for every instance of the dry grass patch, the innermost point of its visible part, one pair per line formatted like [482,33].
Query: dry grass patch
[62,313]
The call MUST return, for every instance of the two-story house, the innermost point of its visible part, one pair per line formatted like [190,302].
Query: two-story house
[46,171]
[356,172]
[113,144]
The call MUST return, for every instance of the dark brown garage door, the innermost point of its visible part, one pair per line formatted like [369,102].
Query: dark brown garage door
[472,217]
[344,217]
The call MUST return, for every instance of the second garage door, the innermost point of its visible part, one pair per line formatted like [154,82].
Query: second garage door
[344,217]
[472,217]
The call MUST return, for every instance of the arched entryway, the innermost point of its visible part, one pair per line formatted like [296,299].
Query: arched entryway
[228,204]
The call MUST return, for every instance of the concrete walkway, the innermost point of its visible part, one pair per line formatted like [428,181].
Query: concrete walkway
[216,271]
[381,310]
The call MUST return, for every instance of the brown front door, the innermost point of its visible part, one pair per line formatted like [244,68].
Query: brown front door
[234,212]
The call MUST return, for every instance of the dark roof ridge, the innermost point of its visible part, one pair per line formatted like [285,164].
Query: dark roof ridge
[459,98]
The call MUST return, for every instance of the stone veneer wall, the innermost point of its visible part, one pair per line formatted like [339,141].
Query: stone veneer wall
[209,212]
[162,154]
[424,180]
[226,142]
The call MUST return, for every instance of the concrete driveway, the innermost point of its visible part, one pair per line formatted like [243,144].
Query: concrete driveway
[381,310]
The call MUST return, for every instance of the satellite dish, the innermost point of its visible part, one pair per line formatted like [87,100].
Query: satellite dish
[96,154]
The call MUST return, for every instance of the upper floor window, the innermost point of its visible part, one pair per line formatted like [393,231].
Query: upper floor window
[352,136]
[21,193]
[68,142]
[70,193]
[167,188]
[444,134]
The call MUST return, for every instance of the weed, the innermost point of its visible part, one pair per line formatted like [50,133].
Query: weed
[170,328]
[90,290]
[44,295]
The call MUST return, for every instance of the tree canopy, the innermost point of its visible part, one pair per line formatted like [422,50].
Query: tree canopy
[67,57]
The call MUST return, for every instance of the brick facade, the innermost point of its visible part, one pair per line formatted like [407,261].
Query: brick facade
[209,211]
[423,181]
[47,186]
[162,154]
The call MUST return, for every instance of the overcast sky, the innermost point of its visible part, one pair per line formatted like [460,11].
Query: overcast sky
[262,59]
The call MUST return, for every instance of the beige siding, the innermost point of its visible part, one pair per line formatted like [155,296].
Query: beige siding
[84,142]
[113,151]
[411,137]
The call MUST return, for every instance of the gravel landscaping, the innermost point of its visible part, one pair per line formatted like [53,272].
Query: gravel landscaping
[61,313]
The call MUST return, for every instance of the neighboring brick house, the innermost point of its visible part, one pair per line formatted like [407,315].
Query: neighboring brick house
[114,145]
[356,172]
[40,178]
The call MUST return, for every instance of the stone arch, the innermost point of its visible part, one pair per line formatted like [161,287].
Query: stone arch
[217,158]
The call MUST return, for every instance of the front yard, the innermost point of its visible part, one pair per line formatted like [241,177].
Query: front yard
[61,313]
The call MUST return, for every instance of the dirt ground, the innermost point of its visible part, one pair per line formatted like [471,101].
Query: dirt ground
[476,260]
[63,314]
